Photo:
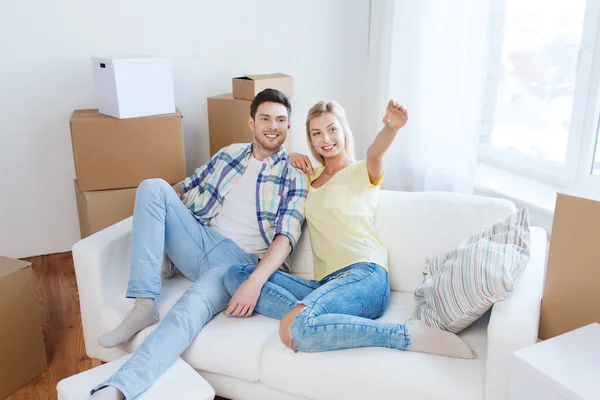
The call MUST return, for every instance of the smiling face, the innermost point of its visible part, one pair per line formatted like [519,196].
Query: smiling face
[327,136]
[270,126]
[328,132]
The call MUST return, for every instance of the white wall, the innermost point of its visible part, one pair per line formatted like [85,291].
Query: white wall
[45,74]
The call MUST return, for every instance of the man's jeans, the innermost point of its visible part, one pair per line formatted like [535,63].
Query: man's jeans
[162,223]
[339,309]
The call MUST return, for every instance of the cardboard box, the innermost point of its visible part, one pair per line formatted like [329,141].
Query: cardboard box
[22,352]
[228,123]
[100,209]
[572,291]
[115,153]
[129,87]
[246,87]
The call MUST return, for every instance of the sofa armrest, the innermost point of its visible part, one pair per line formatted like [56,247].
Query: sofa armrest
[514,321]
[102,271]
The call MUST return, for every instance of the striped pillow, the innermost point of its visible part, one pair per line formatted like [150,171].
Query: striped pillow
[460,286]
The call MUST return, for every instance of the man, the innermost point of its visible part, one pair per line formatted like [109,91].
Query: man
[246,205]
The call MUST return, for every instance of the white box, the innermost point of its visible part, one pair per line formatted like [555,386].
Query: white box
[564,367]
[128,87]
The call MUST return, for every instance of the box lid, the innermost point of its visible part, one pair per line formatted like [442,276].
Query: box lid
[130,60]
[93,114]
[584,190]
[569,364]
[9,265]
[263,77]
[228,96]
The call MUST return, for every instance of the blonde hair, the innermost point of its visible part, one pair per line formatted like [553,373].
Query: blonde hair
[333,108]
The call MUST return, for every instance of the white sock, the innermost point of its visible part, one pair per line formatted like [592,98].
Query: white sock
[108,393]
[426,339]
[141,316]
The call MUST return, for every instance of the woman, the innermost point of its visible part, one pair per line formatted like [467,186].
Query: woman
[351,287]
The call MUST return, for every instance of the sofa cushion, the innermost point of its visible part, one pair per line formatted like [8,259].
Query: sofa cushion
[232,346]
[465,282]
[227,345]
[376,373]
[416,226]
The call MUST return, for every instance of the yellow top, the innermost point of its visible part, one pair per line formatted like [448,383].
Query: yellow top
[341,220]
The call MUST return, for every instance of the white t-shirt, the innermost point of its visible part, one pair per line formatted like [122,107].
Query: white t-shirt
[237,219]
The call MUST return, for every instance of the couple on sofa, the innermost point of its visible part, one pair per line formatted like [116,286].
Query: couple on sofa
[242,217]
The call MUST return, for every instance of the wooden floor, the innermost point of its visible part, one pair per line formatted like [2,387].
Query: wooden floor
[58,300]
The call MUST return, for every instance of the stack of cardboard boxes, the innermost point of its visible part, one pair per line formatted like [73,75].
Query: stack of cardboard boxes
[135,135]
[228,113]
[113,156]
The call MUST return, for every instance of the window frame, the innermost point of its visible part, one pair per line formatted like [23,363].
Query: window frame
[585,116]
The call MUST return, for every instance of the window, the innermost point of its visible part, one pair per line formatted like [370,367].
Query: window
[540,115]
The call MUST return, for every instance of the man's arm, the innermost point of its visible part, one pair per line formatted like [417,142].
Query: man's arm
[287,230]
[291,214]
[244,299]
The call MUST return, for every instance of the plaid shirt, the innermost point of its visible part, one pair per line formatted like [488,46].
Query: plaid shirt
[281,191]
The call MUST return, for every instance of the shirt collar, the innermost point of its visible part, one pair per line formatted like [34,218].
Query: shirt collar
[272,160]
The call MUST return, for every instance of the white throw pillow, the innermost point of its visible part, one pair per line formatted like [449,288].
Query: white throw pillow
[460,286]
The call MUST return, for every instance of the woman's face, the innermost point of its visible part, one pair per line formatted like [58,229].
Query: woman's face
[327,136]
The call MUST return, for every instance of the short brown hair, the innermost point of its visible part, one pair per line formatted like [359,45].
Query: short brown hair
[272,96]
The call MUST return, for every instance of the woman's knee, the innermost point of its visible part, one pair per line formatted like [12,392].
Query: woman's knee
[236,275]
[285,333]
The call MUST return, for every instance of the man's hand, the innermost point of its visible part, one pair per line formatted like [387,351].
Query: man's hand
[179,190]
[244,299]
[301,162]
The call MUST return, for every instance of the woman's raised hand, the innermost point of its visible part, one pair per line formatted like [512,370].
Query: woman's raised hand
[396,115]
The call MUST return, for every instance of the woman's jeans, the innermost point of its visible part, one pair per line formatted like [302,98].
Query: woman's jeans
[339,309]
[161,222]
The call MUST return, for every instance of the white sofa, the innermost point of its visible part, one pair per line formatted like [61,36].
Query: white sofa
[244,359]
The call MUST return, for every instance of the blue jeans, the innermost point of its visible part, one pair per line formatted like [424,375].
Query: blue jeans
[339,309]
[161,222]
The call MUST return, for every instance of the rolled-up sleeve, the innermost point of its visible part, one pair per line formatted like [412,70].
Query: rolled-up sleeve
[291,214]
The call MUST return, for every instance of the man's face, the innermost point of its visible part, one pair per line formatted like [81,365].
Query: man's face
[270,125]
